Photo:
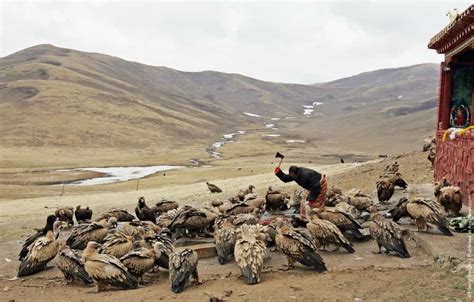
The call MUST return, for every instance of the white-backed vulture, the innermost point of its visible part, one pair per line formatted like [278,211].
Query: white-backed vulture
[107,271]
[183,265]
[250,253]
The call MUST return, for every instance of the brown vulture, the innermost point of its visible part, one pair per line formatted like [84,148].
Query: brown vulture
[83,215]
[140,260]
[39,233]
[143,212]
[427,211]
[224,239]
[344,221]
[107,271]
[42,251]
[451,199]
[65,214]
[297,246]
[388,235]
[325,232]
[213,188]
[83,233]
[70,263]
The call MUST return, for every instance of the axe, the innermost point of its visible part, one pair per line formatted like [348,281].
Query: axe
[280,156]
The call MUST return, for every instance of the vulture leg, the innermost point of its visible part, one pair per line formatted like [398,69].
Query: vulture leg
[291,262]
[336,249]
[380,249]
[420,224]
[195,276]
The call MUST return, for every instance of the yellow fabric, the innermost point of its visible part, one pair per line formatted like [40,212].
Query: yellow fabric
[460,132]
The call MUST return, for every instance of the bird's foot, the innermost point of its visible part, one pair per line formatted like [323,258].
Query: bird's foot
[377,253]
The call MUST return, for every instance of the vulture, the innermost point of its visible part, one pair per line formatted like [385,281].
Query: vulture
[224,239]
[343,220]
[242,193]
[83,233]
[39,233]
[146,228]
[359,200]
[325,232]
[107,271]
[439,185]
[140,260]
[241,219]
[164,206]
[119,214]
[398,181]
[163,246]
[191,220]
[432,155]
[83,215]
[143,212]
[392,169]
[65,214]
[276,200]
[183,265]
[400,210]
[165,219]
[427,211]
[243,208]
[297,246]
[249,253]
[385,189]
[70,263]
[387,234]
[451,199]
[118,244]
[213,188]
[42,251]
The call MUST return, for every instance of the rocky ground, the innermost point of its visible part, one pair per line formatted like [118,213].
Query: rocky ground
[433,273]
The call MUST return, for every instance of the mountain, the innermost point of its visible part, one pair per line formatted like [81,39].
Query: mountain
[57,97]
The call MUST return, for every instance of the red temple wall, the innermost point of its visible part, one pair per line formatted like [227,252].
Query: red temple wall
[455,162]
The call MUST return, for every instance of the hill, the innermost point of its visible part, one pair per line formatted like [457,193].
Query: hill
[52,97]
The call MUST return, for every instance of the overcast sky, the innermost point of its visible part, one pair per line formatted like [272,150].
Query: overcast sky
[299,42]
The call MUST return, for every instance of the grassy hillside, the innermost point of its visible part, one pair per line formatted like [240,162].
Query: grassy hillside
[64,106]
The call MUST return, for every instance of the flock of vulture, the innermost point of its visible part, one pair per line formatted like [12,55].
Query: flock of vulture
[117,248]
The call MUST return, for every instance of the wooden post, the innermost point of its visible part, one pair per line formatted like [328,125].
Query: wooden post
[62,192]
[138,180]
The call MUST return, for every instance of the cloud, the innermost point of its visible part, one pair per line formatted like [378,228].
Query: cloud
[304,42]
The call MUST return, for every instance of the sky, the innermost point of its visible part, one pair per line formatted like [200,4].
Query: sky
[294,42]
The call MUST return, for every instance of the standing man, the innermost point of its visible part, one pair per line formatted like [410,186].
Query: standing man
[310,180]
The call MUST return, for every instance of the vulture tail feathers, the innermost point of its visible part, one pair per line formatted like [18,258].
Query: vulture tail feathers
[248,275]
[348,247]
[443,228]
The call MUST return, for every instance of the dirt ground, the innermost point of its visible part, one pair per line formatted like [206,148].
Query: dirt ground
[362,276]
